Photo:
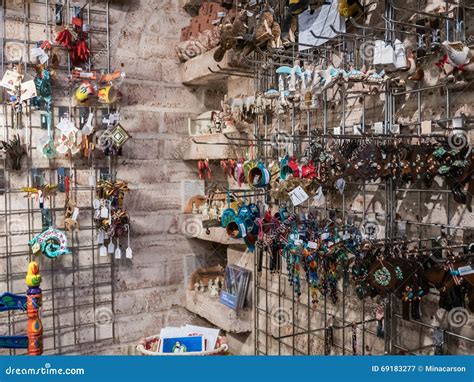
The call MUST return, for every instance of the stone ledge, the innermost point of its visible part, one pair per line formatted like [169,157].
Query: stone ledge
[211,309]
[196,70]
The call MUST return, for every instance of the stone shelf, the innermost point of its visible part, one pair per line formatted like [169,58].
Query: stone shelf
[192,228]
[196,151]
[196,70]
[205,306]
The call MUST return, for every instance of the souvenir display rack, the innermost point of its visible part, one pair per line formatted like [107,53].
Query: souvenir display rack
[385,212]
[78,289]
[290,325]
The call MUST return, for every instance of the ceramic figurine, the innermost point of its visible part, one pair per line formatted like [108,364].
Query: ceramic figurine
[202,287]
[214,289]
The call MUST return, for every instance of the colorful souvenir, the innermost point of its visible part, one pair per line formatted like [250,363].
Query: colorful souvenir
[52,243]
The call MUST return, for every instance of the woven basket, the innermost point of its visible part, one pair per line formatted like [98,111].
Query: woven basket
[145,347]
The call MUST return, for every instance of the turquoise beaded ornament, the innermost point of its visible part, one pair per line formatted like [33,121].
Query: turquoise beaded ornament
[382,276]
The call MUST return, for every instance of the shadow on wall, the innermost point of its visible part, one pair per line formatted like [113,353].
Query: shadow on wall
[125,5]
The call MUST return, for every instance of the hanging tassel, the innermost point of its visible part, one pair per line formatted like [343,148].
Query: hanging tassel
[415,309]
[406,309]
[380,329]
[354,338]
[328,341]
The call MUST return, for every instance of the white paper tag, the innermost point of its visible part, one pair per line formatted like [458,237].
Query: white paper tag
[324,236]
[96,204]
[103,251]
[75,214]
[298,242]
[346,236]
[111,247]
[298,196]
[378,127]
[118,253]
[395,129]
[467,270]
[104,212]
[426,127]
[312,245]
[92,182]
[357,129]
[243,229]
[337,130]
[100,238]
[129,253]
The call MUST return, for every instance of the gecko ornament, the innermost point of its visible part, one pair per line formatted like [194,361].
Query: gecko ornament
[52,243]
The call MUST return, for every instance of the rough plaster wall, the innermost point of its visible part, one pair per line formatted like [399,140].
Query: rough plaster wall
[150,290]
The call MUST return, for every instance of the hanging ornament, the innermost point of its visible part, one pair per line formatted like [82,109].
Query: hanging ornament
[52,243]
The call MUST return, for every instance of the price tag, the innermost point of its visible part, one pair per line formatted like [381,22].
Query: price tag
[104,212]
[378,127]
[35,248]
[312,245]
[426,127]
[298,196]
[357,130]
[467,270]
[298,242]
[75,214]
[324,236]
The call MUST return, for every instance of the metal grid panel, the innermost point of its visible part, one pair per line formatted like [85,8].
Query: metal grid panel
[78,290]
[286,324]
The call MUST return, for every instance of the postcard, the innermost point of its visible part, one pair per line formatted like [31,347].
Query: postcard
[182,344]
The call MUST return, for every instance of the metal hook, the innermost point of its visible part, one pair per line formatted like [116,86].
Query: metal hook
[416,11]
[217,143]
[407,24]
[228,73]
[355,24]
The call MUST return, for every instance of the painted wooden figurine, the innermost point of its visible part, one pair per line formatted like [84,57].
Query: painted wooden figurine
[33,304]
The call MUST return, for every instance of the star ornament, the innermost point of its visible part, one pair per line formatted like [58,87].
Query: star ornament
[119,136]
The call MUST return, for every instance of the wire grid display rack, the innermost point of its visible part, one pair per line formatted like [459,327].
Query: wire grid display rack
[78,289]
[287,324]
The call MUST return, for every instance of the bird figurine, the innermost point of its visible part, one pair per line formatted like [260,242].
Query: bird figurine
[350,8]
[458,53]
[227,40]
[415,73]
[263,29]
[33,278]
[239,26]
[275,42]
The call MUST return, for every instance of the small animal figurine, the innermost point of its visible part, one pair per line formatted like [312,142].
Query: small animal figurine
[214,289]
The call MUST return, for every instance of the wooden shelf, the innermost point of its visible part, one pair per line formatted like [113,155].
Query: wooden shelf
[205,306]
[192,227]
